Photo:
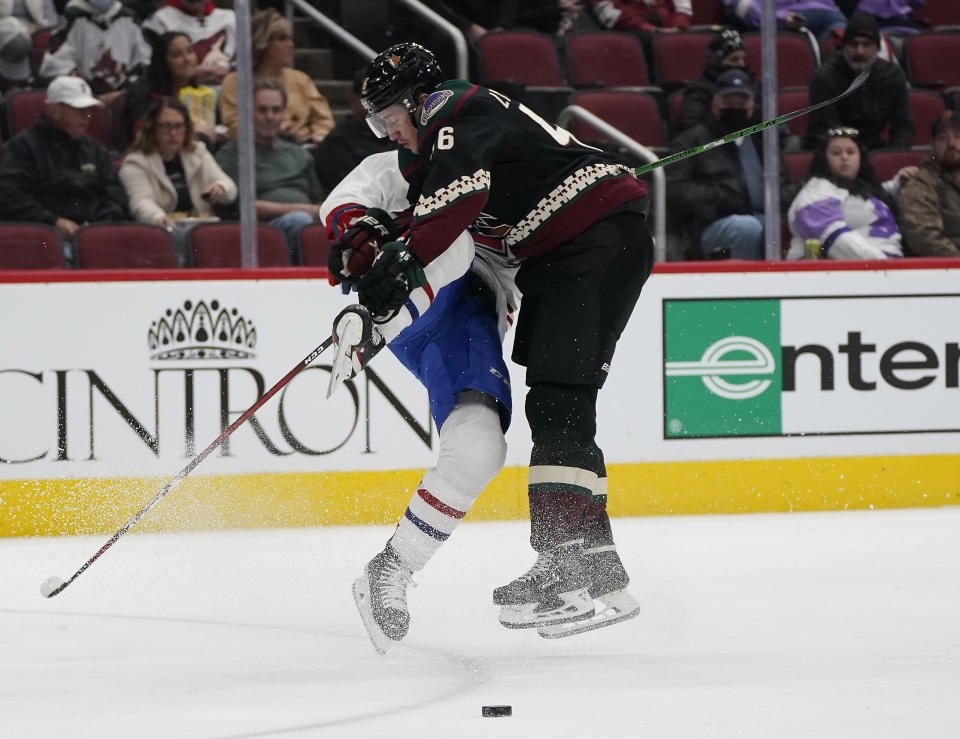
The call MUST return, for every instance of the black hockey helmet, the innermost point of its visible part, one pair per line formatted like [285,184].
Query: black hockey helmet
[398,75]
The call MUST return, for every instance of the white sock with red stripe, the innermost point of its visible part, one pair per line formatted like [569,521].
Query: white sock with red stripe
[472,451]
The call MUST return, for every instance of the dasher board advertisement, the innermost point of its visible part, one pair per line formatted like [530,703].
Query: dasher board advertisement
[811,365]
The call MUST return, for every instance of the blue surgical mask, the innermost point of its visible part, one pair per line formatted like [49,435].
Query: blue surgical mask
[101,6]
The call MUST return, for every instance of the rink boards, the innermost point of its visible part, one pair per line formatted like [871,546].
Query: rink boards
[743,388]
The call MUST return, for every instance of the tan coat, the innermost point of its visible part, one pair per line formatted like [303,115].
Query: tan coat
[930,211]
[151,192]
[306,105]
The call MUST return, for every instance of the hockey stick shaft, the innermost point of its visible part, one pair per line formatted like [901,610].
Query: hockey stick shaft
[694,150]
[303,364]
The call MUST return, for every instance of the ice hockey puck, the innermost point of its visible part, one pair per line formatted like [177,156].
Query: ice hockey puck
[490,711]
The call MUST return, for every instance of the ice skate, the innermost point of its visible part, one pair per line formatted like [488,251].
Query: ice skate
[381,598]
[614,603]
[553,591]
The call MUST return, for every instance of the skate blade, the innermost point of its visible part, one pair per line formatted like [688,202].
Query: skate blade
[619,605]
[576,604]
[361,596]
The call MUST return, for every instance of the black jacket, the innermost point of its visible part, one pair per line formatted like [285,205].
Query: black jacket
[882,99]
[708,186]
[45,175]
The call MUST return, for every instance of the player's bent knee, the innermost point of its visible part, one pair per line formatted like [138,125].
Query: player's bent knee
[472,447]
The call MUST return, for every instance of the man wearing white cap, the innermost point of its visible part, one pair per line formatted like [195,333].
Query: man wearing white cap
[54,173]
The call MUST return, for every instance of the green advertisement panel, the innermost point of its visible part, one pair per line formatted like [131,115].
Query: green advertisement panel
[722,374]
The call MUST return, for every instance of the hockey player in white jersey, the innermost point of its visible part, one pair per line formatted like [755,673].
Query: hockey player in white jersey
[448,333]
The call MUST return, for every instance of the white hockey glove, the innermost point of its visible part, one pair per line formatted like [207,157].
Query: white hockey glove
[355,342]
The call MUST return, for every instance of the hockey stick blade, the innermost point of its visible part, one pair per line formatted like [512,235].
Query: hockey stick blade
[54,585]
[694,150]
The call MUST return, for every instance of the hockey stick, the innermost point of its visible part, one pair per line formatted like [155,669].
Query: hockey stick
[53,585]
[693,150]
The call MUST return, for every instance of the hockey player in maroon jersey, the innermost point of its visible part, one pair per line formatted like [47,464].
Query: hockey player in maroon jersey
[575,217]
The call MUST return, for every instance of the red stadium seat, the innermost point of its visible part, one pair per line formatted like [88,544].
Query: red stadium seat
[314,245]
[674,110]
[931,59]
[680,57]
[124,246]
[940,12]
[708,13]
[23,106]
[525,57]
[887,162]
[606,59]
[796,60]
[218,245]
[30,246]
[798,164]
[41,40]
[791,99]
[636,114]
[926,107]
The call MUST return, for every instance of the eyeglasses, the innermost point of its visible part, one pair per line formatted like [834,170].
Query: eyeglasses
[281,37]
[843,131]
[171,127]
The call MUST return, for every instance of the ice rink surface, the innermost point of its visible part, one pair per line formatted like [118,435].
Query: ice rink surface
[775,626]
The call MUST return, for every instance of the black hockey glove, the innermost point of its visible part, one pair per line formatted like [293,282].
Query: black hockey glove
[354,252]
[395,273]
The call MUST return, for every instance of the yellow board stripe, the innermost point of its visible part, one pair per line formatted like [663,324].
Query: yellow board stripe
[276,500]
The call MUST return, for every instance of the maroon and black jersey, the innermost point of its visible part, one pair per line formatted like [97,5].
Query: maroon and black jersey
[489,161]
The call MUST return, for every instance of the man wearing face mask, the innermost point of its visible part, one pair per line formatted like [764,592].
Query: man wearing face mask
[717,196]
[101,43]
[881,101]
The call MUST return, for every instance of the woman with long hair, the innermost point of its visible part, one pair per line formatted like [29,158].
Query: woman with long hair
[308,117]
[843,205]
[172,73]
[168,175]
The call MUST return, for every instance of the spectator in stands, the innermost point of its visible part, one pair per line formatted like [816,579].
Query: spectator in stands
[894,14]
[349,143]
[288,191]
[143,9]
[213,31]
[308,115]
[725,52]
[718,195]
[819,16]
[15,49]
[930,202]
[644,18]
[882,100]
[33,14]
[101,43]
[172,73]
[843,206]
[167,174]
[476,18]
[54,173]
